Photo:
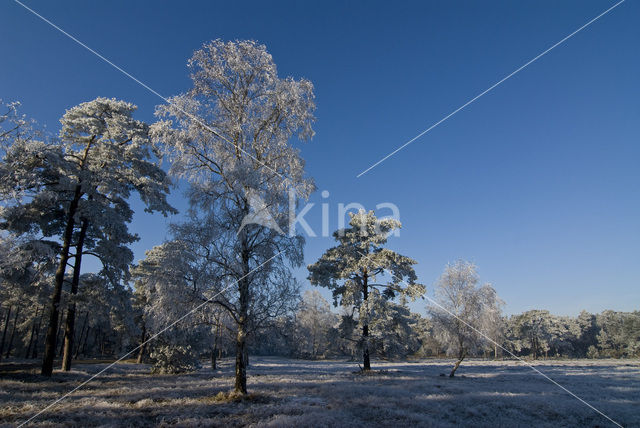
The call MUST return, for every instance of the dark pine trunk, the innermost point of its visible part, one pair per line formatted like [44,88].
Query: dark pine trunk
[34,326]
[13,332]
[365,327]
[4,332]
[34,353]
[61,330]
[50,339]
[69,328]
[84,332]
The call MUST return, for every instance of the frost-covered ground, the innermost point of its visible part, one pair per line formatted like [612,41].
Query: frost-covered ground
[329,393]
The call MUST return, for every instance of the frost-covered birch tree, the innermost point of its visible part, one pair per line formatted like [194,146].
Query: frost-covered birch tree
[314,321]
[229,135]
[351,270]
[465,313]
[75,189]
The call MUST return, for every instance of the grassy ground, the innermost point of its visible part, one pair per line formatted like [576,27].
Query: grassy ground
[299,393]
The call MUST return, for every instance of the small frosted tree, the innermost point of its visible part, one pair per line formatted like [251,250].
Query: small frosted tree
[351,269]
[314,320]
[464,310]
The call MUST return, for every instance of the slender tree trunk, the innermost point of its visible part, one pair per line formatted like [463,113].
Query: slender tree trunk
[61,328]
[50,340]
[102,343]
[495,352]
[96,341]
[82,337]
[241,341]
[69,328]
[215,350]
[33,332]
[365,327]
[242,321]
[241,365]
[34,354]
[4,331]
[143,345]
[461,356]
[83,350]
[13,332]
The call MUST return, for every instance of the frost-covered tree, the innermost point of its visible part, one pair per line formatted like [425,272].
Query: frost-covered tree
[229,136]
[588,333]
[26,271]
[314,321]
[619,334]
[563,333]
[75,189]
[106,326]
[392,331]
[494,329]
[170,283]
[184,275]
[351,270]
[15,125]
[464,310]
[532,331]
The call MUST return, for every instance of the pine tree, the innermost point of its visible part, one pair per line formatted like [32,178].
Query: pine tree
[76,188]
[351,269]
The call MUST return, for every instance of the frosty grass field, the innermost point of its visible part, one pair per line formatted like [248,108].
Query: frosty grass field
[286,392]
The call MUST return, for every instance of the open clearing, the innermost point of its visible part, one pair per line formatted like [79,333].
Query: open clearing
[286,392]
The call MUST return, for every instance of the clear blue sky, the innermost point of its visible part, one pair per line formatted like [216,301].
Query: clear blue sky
[537,182]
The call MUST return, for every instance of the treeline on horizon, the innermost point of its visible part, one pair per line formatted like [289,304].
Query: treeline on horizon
[109,326]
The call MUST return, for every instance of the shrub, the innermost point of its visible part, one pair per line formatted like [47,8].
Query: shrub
[171,359]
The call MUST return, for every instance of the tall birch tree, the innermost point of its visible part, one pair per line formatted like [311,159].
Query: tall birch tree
[229,135]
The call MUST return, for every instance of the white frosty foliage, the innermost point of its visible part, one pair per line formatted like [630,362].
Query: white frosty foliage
[464,312]
[101,157]
[229,136]
[362,273]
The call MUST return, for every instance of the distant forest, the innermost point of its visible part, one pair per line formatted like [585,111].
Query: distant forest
[109,325]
